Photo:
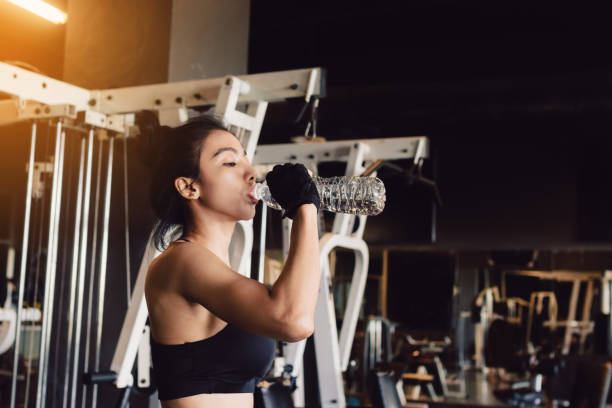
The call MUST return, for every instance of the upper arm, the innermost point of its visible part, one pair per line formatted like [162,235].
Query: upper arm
[238,300]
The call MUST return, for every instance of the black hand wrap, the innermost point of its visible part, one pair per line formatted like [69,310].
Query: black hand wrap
[291,186]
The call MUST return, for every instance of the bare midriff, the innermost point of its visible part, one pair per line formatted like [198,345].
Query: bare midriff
[241,400]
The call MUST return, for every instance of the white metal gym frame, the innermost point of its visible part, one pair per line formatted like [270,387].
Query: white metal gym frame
[74,269]
[333,352]
[247,127]
[573,326]
[52,247]
[56,192]
[36,96]
[22,268]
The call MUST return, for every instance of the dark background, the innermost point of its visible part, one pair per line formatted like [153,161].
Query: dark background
[515,99]
[514,96]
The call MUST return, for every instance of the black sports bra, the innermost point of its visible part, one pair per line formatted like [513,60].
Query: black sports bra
[231,361]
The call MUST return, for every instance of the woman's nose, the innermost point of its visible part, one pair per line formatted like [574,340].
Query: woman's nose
[251,173]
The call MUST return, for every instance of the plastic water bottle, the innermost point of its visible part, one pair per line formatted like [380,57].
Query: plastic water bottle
[348,194]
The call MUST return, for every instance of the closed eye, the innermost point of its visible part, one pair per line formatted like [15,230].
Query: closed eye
[230,164]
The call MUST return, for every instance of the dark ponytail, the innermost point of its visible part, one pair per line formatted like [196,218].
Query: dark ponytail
[171,153]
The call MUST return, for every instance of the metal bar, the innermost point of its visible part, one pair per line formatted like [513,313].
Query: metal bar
[586,314]
[38,210]
[355,297]
[12,111]
[258,111]
[31,86]
[92,273]
[608,284]
[143,365]
[10,263]
[571,316]
[23,263]
[327,354]
[262,242]
[128,274]
[559,275]
[49,271]
[103,261]
[51,302]
[74,271]
[82,269]
[332,355]
[59,346]
[273,86]
[133,323]
[384,279]
[371,344]
[378,327]
[605,292]
[227,100]
[388,149]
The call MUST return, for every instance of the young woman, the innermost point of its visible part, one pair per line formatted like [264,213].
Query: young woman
[213,330]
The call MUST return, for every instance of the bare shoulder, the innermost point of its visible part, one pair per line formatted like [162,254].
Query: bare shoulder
[192,273]
[185,266]
[175,317]
[161,271]
[177,260]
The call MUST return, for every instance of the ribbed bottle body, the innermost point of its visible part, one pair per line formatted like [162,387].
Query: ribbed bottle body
[346,194]
[352,194]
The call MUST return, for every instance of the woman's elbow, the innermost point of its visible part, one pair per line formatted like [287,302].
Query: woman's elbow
[297,331]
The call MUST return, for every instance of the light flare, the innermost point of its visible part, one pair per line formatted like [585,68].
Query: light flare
[42,9]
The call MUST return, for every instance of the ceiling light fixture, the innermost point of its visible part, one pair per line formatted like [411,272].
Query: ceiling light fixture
[43,10]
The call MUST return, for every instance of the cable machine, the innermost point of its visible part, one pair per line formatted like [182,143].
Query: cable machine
[81,117]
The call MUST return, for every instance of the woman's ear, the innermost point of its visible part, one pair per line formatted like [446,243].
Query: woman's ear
[187,188]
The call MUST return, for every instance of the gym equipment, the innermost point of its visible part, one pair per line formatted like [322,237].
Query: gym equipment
[241,102]
[572,326]
[107,115]
[383,390]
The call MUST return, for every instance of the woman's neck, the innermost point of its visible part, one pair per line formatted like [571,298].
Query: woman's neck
[215,235]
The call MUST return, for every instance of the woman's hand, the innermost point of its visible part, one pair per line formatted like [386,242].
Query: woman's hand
[291,186]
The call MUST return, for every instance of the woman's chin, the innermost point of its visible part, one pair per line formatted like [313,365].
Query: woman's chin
[241,213]
[248,215]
